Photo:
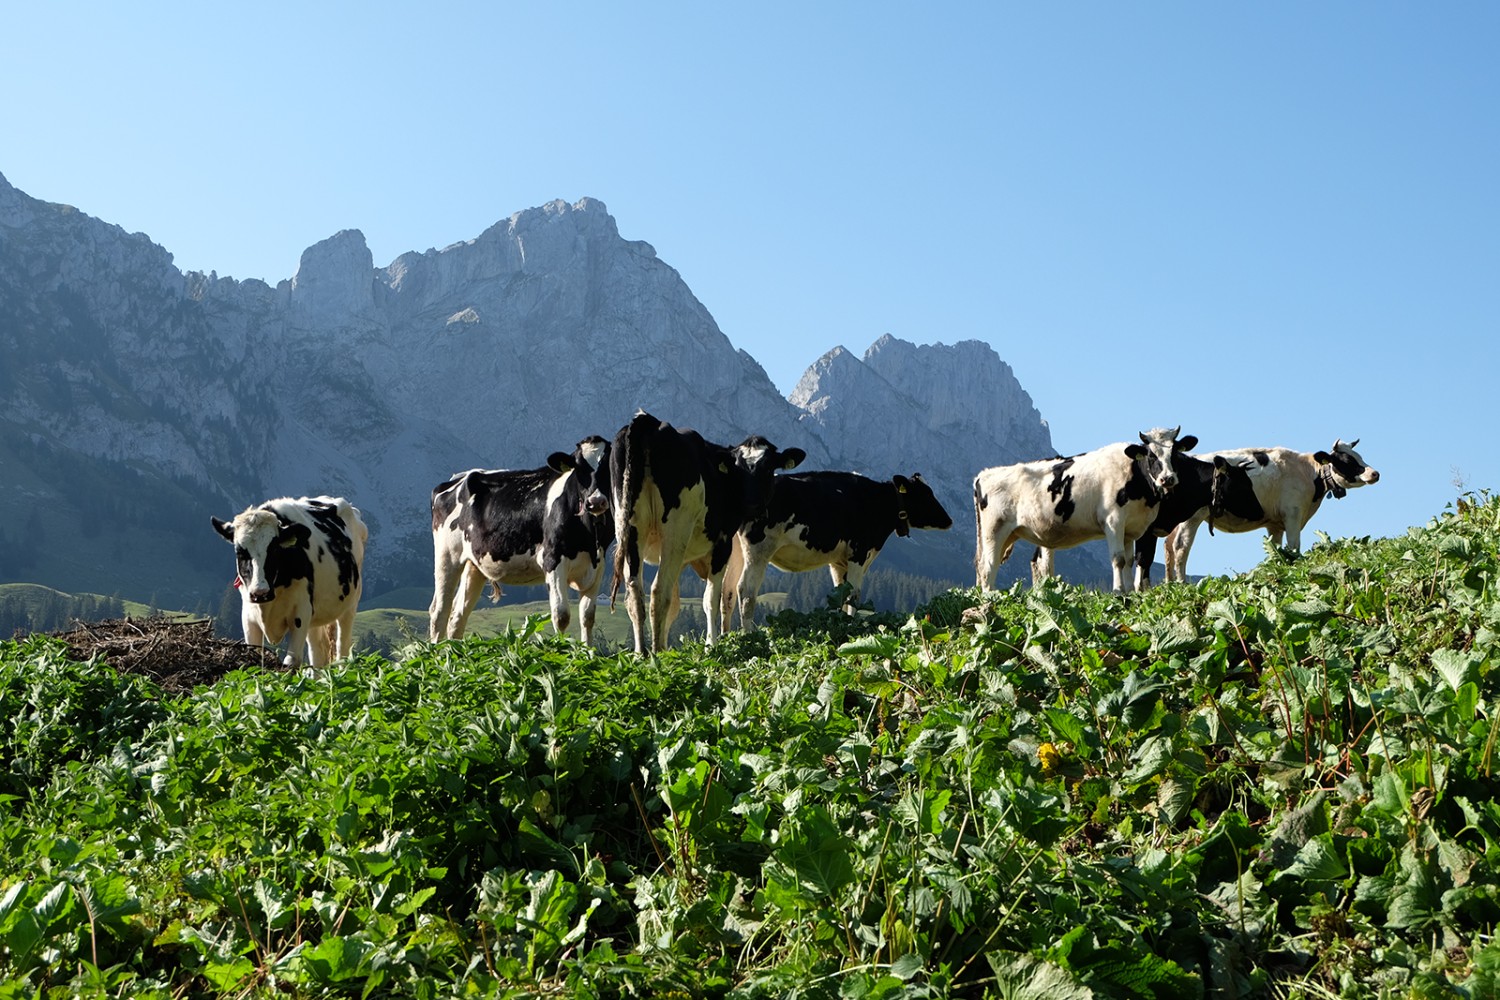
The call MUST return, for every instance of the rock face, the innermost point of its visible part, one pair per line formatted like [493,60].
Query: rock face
[136,400]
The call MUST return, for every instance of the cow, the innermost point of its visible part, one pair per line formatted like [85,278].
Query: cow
[1111,493]
[1273,488]
[836,519]
[1202,485]
[522,527]
[679,499]
[299,563]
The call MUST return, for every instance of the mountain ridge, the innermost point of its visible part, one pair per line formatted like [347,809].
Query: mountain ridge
[377,382]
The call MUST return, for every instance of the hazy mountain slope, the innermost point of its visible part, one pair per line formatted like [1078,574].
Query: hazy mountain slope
[135,400]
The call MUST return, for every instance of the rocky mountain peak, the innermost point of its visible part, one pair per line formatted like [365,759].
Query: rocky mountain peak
[191,393]
[335,279]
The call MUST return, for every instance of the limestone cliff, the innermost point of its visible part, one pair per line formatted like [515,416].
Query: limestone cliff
[135,399]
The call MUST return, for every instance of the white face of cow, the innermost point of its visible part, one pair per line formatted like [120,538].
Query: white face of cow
[253,533]
[761,460]
[1153,457]
[1346,468]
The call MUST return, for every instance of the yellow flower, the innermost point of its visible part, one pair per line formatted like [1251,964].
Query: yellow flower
[1050,759]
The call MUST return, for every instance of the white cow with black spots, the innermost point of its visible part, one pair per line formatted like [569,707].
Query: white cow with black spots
[1110,493]
[1273,488]
[299,563]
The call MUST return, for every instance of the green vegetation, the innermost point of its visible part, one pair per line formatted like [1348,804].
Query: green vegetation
[1281,785]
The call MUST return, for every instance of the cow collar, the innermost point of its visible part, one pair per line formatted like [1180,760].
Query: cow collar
[1327,485]
[903,522]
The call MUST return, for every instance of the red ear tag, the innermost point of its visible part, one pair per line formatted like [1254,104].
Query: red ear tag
[238,583]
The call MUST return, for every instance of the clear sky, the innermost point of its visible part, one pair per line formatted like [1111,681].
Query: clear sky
[1273,223]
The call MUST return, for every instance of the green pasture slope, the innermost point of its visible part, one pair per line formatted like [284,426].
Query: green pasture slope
[1281,785]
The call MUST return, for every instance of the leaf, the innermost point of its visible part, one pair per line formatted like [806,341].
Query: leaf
[1067,725]
[906,966]
[1023,977]
[1455,667]
[1174,798]
[1308,609]
[878,644]
[1318,861]
[1151,758]
[1176,636]
[816,853]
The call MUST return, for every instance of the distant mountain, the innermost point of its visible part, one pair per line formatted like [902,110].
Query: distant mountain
[136,399]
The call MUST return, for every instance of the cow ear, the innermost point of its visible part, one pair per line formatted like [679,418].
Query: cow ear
[1186,444]
[793,457]
[901,483]
[223,527]
[1354,443]
[1220,462]
[1322,457]
[560,462]
[1135,450]
[292,535]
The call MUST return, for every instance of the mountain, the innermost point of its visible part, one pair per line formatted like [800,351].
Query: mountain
[136,399]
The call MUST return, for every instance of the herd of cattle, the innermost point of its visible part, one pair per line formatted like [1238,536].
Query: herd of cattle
[668,497]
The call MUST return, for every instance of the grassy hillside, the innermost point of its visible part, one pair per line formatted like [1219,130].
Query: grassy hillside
[1281,785]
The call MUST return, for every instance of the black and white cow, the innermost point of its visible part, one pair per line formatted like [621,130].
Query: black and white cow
[1273,488]
[679,499]
[299,563]
[522,527]
[835,519]
[1111,493]
[1202,486]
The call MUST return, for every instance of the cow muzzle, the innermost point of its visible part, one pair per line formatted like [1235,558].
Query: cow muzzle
[261,596]
[595,503]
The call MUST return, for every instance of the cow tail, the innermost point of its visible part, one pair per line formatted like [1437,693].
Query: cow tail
[1218,494]
[635,442]
[978,524]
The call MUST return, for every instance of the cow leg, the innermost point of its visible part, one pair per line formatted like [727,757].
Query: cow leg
[1043,565]
[1145,555]
[664,589]
[732,593]
[752,578]
[1121,553]
[557,595]
[342,641]
[1294,538]
[664,604]
[298,644]
[991,548]
[470,589]
[854,575]
[635,605]
[587,603]
[445,576]
[1179,544]
[320,640]
[250,622]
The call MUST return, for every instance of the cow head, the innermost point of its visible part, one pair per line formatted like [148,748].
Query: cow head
[1154,454]
[258,535]
[758,461]
[589,466]
[1343,469]
[917,506]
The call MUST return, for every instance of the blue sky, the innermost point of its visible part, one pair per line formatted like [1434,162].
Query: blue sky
[1273,224]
